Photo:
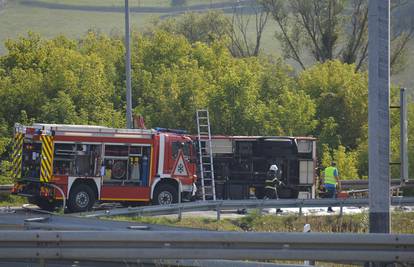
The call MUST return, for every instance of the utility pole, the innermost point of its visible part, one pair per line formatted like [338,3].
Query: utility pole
[403,136]
[128,68]
[378,115]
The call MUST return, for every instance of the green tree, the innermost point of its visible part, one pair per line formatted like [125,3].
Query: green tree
[341,97]
[326,158]
[212,26]
[331,29]
[38,70]
[195,27]
[346,163]
[60,110]
[288,111]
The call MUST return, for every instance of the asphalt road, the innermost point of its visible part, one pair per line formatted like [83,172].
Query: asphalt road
[19,218]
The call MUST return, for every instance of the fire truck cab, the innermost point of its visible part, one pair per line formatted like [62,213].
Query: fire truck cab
[94,163]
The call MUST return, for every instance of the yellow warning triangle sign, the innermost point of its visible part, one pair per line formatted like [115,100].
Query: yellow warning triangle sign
[180,167]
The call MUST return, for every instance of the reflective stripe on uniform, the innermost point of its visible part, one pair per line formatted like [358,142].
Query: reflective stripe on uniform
[47,158]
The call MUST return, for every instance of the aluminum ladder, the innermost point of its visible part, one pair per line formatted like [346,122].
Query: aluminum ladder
[205,153]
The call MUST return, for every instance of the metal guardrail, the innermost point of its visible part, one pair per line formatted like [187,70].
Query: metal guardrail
[219,263]
[363,183]
[147,263]
[346,184]
[126,245]
[5,188]
[220,205]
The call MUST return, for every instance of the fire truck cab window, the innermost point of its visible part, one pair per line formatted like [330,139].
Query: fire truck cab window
[185,146]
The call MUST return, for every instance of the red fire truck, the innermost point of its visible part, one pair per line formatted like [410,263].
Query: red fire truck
[94,163]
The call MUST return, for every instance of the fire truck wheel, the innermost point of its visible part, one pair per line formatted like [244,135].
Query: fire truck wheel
[165,194]
[81,198]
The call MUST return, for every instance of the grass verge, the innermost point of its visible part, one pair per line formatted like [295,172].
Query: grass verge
[402,222]
[11,200]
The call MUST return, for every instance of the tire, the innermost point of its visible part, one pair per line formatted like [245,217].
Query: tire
[165,194]
[81,198]
[43,203]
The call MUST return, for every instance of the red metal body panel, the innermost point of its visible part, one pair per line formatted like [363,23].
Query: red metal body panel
[125,193]
[62,182]
[102,139]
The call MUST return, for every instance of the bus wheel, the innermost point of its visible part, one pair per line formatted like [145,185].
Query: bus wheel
[165,194]
[81,198]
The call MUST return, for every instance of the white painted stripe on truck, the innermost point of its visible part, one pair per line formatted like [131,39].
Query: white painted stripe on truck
[161,156]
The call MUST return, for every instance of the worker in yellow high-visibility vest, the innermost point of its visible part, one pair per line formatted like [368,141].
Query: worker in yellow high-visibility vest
[331,181]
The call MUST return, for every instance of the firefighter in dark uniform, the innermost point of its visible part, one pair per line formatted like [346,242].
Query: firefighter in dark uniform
[272,183]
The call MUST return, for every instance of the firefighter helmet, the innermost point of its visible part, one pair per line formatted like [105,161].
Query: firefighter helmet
[273,168]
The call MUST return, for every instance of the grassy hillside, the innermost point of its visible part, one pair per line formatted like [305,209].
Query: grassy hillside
[75,17]
[18,18]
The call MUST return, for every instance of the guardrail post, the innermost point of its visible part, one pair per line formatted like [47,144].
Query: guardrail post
[307,229]
[403,136]
[180,215]
[341,209]
[218,209]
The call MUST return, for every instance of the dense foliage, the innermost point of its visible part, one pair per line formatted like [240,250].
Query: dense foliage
[62,80]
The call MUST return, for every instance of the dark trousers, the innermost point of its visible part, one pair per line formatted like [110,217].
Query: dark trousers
[330,191]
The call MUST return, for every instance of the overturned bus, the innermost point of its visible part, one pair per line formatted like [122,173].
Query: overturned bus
[241,164]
